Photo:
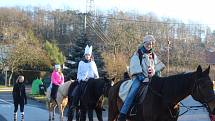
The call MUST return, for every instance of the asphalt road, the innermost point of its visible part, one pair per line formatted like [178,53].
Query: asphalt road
[36,111]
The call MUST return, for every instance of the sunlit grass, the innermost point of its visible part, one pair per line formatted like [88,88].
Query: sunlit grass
[41,98]
[3,86]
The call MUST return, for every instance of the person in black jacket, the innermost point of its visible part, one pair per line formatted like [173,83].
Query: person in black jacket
[19,97]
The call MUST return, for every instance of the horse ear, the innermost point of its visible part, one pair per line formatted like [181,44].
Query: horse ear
[105,77]
[199,69]
[207,70]
[113,79]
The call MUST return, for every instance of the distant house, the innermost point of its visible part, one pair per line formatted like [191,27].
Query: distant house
[210,59]
[210,56]
[4,50]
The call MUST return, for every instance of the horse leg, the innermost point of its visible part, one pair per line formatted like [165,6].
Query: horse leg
[70,114]
[61,112]
[112,110]
[99,113]
[78,114]
[53,114]
[90,114]
[83,114]
[49,108]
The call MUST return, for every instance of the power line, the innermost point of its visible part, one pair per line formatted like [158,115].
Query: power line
[97,32]
[99,28]
[142,21]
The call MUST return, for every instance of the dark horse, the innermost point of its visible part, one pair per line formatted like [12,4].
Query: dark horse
[92,98]
[164,94]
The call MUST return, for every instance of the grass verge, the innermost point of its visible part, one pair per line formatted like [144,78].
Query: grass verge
[37,97]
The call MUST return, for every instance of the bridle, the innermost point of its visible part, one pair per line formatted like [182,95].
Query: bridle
[196,92]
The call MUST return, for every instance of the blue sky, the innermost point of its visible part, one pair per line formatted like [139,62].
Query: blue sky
[195,10]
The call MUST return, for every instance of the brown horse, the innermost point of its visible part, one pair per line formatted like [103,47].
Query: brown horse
[164,94]
[61,100]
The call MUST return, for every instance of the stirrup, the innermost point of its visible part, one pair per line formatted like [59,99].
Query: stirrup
[133,111]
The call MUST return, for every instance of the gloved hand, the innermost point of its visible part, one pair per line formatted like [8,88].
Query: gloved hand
[140,77]
[151,71]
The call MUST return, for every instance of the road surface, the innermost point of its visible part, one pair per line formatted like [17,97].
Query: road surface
[36,111]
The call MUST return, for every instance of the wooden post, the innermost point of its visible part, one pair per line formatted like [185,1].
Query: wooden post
[6,68]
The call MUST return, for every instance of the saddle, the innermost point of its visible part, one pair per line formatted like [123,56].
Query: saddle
[139,98]
[123,92]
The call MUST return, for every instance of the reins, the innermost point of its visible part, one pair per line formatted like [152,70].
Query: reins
[189,108]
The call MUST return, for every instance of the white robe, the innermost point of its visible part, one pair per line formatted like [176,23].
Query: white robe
[87,70]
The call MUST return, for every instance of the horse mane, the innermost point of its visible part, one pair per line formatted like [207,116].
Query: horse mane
[171,86]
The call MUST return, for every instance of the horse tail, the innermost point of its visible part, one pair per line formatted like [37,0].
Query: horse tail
[112,102]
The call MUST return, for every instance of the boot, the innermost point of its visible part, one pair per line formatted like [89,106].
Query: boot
[22,116]
[122,117]
[15,116]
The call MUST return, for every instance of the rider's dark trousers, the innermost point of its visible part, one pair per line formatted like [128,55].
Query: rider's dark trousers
[54,91]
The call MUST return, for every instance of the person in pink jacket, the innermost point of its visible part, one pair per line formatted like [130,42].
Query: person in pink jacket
[57,79]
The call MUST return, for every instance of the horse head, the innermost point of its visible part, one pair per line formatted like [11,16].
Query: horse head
[202,90]
[107,85]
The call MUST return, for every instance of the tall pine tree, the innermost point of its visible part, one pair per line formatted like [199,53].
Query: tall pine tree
[79,47]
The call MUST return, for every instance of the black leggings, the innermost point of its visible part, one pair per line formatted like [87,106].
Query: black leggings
[54,91]
[16,107]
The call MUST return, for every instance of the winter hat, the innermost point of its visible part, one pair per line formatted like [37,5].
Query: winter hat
[57,66]
[146,39]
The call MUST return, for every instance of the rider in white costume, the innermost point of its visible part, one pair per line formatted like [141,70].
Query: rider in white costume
[87,70]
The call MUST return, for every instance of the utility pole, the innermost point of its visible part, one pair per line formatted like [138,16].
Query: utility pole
[168,47]
[90,9]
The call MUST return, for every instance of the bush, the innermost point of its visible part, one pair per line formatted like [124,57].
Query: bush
[115,65]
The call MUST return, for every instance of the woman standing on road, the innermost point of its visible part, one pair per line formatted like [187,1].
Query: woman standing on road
[19,97]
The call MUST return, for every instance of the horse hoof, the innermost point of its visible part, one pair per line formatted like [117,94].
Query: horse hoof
[52,119]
